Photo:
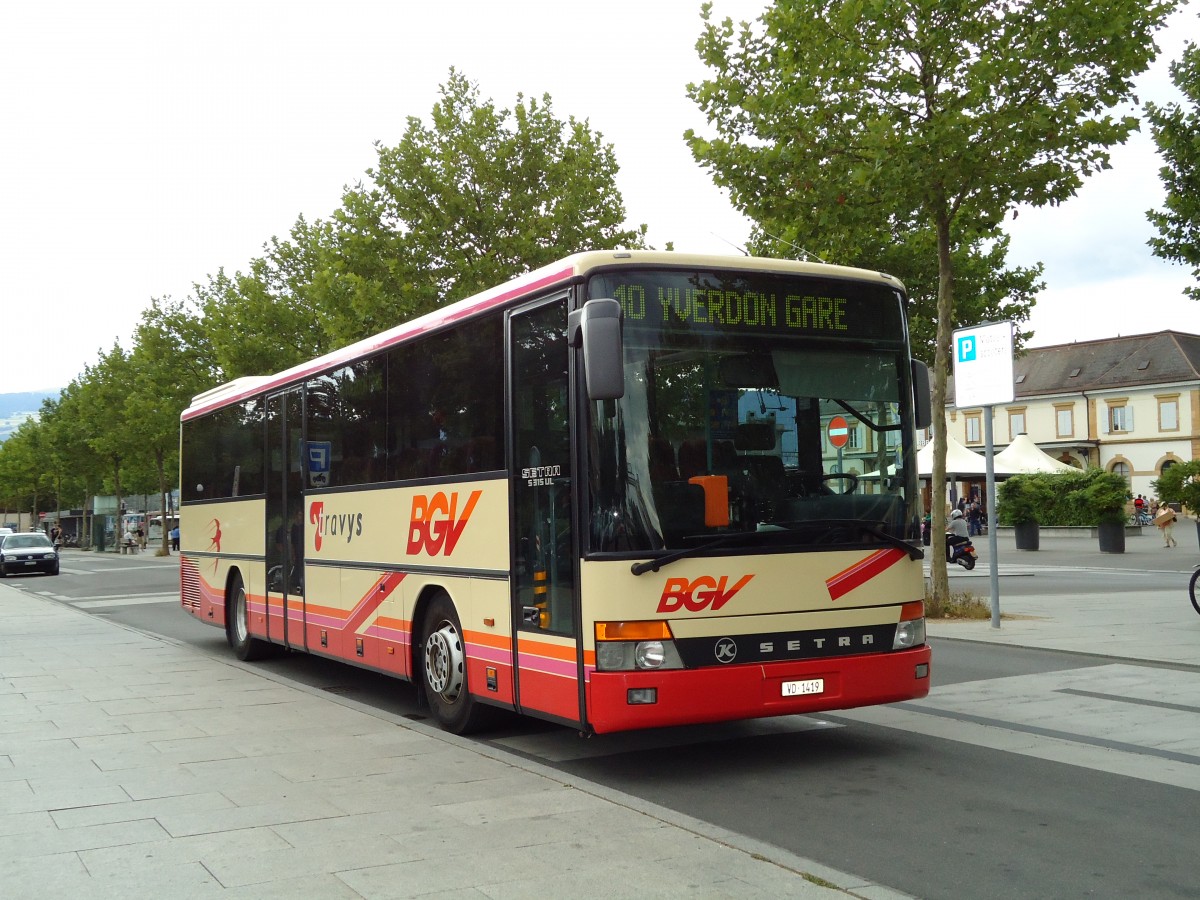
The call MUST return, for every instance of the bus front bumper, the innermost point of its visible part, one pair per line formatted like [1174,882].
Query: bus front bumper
[720,694]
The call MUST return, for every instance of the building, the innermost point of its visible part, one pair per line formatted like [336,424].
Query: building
[1129,405]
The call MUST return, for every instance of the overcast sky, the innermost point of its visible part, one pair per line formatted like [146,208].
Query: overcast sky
[146,145]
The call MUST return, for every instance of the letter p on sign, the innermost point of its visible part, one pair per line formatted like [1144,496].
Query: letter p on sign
[966,348]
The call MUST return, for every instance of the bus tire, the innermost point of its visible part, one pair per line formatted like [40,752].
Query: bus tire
[245,647]
[444,671]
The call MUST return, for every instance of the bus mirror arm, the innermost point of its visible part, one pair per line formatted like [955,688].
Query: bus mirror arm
[922,403]
[596,330]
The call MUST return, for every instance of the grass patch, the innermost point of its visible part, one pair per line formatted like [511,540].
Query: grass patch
[959,605]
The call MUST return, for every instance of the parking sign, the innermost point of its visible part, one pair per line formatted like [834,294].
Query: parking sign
[983,365]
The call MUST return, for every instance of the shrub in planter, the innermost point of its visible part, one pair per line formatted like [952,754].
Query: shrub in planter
[1021,501]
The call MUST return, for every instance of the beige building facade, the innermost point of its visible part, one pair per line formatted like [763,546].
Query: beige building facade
[1127,404]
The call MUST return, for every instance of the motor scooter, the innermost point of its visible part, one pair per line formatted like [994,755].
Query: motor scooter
[963,554]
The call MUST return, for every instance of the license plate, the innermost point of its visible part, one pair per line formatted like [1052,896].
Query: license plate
[799,688]
[31,562]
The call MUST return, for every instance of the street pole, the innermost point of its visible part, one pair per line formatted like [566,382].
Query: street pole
[993,562]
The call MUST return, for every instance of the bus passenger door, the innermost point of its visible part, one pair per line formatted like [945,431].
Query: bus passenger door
[285,518]
[546,641]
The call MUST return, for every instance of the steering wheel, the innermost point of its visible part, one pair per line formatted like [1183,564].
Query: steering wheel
[843,476]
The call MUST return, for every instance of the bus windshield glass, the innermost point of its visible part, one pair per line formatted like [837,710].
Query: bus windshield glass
[760,410]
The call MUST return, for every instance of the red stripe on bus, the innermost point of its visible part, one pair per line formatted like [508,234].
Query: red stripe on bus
[862,571]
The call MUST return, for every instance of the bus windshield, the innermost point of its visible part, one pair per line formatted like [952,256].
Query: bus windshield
[759,411]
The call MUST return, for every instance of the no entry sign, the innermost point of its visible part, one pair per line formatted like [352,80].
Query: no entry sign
[839,432]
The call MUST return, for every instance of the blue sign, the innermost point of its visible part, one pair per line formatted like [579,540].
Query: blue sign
[319,454]
[966,348]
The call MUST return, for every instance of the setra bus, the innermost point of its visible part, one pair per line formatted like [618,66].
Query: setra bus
[627,490]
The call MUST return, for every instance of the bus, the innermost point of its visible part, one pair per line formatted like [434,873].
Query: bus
[627,490]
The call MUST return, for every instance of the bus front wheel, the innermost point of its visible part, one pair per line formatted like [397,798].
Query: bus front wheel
[444,671]
[245,647]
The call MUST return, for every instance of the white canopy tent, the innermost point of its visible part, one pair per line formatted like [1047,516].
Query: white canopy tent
[1024,457]
[961,462]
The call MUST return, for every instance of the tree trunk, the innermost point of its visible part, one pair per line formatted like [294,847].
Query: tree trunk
[162,502]
[119,528]
[941,370]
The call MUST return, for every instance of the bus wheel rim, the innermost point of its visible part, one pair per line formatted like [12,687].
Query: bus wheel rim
[239,616]
[444,662]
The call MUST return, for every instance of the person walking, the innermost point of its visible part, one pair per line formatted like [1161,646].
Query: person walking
[1165,520]
[175,538]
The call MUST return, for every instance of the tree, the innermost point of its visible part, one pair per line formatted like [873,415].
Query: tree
[172,361]
[910,116]
[1176,130]
[266,320]
[102,391]
[466,202]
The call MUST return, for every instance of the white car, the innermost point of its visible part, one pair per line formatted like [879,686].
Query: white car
[32,552]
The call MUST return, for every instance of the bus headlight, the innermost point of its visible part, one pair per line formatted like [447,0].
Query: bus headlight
[649,654]
[635,646]
[910,630]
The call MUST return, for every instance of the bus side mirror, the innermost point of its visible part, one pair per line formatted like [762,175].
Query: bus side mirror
[596,329]
[923,405]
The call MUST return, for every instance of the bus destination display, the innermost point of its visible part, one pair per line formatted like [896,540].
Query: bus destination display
[683,301]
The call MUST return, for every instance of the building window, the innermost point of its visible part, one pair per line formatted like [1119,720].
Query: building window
[1064,421]
[1120,418]
[1016,423]
[854,439]
[974,434]
[1121,469]
[1168,414]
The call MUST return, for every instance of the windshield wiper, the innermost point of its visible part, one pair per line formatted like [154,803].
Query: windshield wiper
[718,541]
[875,529]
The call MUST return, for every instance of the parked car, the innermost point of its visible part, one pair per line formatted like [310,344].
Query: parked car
[29,552]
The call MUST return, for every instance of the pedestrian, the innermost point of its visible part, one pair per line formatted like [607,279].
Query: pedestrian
[127,542]
[1165,520]
[141,538]
[975,519]
[1139,509]
[175,538]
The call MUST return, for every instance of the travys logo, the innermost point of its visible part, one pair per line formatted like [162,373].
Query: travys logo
[342,525]
[436,525]
[703,593]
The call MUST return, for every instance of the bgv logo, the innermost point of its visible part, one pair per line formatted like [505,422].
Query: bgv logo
[435,525]
[703,593]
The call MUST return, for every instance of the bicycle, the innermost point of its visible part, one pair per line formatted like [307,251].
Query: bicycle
[1192,589]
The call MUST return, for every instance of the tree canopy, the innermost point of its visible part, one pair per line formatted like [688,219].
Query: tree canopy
[1176,130]
[853,125]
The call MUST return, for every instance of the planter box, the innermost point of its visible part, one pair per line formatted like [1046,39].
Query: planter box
[1112,537]
[1027,536]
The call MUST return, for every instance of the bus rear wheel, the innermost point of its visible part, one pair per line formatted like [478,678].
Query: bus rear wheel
[245,647]
[444,671]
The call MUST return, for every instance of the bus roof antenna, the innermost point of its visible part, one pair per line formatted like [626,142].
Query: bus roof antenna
[807,255]
[741,250]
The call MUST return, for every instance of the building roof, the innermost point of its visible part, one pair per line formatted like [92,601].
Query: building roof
[1162,357]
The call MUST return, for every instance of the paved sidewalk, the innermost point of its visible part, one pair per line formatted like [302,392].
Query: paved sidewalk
[131,767]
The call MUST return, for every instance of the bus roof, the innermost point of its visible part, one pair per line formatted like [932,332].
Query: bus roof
[559,274]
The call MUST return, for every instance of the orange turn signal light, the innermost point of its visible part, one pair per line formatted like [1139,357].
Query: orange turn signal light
[633,631]
[914,610]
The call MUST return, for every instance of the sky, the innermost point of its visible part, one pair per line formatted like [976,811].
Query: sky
[147,145]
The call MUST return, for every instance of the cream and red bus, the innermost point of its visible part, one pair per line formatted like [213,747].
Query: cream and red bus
[627,490]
